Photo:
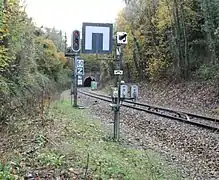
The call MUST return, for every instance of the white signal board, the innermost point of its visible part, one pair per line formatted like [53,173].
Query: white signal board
[123,91]
[134,91]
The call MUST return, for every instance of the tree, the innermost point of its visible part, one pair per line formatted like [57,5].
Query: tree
[170,38]
[29,63]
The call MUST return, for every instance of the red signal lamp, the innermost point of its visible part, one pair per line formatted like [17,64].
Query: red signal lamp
[76,41]
[76,33]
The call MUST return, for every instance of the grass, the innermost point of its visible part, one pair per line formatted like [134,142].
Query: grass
[68,141]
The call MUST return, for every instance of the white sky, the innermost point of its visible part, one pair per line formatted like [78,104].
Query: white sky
[67,15]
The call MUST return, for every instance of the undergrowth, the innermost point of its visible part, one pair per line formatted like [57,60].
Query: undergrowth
[207,72]
[69,143]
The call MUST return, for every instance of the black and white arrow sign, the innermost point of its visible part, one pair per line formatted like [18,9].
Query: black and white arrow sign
[122,38]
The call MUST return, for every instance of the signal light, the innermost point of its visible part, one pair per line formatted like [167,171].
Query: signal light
[76,41]
[75,33]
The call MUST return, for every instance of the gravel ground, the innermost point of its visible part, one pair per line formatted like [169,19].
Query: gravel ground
[194,150]
[196,97]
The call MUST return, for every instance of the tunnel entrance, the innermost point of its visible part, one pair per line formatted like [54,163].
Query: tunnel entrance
[87,82]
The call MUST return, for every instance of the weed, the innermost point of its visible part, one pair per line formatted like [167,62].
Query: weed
[40,140]
[50,159]
[74,140]
[106,158]
[5,172]
[207,72]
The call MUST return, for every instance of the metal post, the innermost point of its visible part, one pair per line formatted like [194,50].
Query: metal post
[117,100]
[75,82]
[116,124]
[72,81]
[72,84]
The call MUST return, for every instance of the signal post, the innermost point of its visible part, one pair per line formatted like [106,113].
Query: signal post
[120,91]
[74,53]
[97,38]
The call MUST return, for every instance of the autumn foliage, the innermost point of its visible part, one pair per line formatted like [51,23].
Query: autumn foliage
[171,39]
[30,62]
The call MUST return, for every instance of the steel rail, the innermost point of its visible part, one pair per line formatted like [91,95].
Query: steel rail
[176,111]
[165,109]
[185,120]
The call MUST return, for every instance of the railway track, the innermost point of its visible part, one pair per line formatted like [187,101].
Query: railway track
[205,122]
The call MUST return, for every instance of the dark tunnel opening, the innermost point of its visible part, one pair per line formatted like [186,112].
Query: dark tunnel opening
[87,82]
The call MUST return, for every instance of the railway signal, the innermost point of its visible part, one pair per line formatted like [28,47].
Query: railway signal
[123,91]
[80,67]
[122,38]
[76,41]
[97,38]
[73,52]
[134,92]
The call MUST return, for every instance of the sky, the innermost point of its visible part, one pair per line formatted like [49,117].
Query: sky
[67,15]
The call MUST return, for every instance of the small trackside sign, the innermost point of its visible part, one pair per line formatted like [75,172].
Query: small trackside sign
[118,72]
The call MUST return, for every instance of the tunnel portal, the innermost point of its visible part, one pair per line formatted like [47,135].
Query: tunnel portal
[87,81]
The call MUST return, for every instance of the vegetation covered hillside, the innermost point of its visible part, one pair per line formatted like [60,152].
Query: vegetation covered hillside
[32,61]
[174,39]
